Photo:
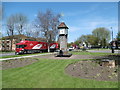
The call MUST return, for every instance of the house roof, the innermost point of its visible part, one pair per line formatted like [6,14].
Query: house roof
[62,25]
[14,36]
[22,37]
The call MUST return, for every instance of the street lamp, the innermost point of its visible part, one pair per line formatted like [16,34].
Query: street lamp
[112,33]
[112,41]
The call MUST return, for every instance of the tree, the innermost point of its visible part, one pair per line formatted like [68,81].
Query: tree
[83,38]
[11,28]
[102,34]
[15,22]
[47,23]
[32,31]
[0,34]
[77,42]
[92,40]
[118,36]
[20,22]
[88,39]
[70,44]
[54,24]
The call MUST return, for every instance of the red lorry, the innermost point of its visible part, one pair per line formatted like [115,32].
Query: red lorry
[34,46]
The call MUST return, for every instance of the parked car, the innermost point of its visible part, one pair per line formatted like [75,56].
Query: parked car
[71,48]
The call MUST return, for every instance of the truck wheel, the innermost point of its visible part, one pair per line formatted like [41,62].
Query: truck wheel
[26,52]
[31,52]
[16,53]
[40,51]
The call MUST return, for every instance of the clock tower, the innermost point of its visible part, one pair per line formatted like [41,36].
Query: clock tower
[63,34]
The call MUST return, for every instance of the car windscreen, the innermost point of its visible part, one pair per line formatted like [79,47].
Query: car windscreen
[20,46]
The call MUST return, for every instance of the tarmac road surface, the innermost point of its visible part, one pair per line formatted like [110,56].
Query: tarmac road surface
[104,51]
[25,56]
[13,53]
[7,54]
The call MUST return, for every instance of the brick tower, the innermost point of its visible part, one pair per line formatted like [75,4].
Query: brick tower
[63,36]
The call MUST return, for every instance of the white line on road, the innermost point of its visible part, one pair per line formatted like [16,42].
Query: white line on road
[25,56]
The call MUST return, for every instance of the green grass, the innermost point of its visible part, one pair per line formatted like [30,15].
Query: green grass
[10,56]
[47,73]
[6,51]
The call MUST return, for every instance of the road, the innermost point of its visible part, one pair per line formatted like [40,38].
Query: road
[104,51]
[12,53]
[7,54]
[25,56]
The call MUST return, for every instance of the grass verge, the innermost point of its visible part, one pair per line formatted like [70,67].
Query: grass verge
[47,73]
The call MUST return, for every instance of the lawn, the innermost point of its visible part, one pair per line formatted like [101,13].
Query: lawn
[6,51]
[47,73]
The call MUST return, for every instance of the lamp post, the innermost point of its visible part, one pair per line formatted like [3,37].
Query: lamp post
[112,33]
[112,41]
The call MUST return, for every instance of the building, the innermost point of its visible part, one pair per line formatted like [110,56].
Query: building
[5,45]
[5,42]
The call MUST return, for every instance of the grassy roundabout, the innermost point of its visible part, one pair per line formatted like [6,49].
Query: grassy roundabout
[49,73]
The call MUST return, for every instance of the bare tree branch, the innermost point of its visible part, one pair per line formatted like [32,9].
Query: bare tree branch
[48,23]
[21,21]
[11,28]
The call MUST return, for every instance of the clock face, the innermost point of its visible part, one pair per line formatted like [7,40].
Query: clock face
[63,31]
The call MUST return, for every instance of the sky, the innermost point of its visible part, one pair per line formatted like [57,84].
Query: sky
[81,17]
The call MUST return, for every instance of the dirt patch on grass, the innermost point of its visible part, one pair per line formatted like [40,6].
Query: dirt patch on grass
[92,70]
[16,63]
